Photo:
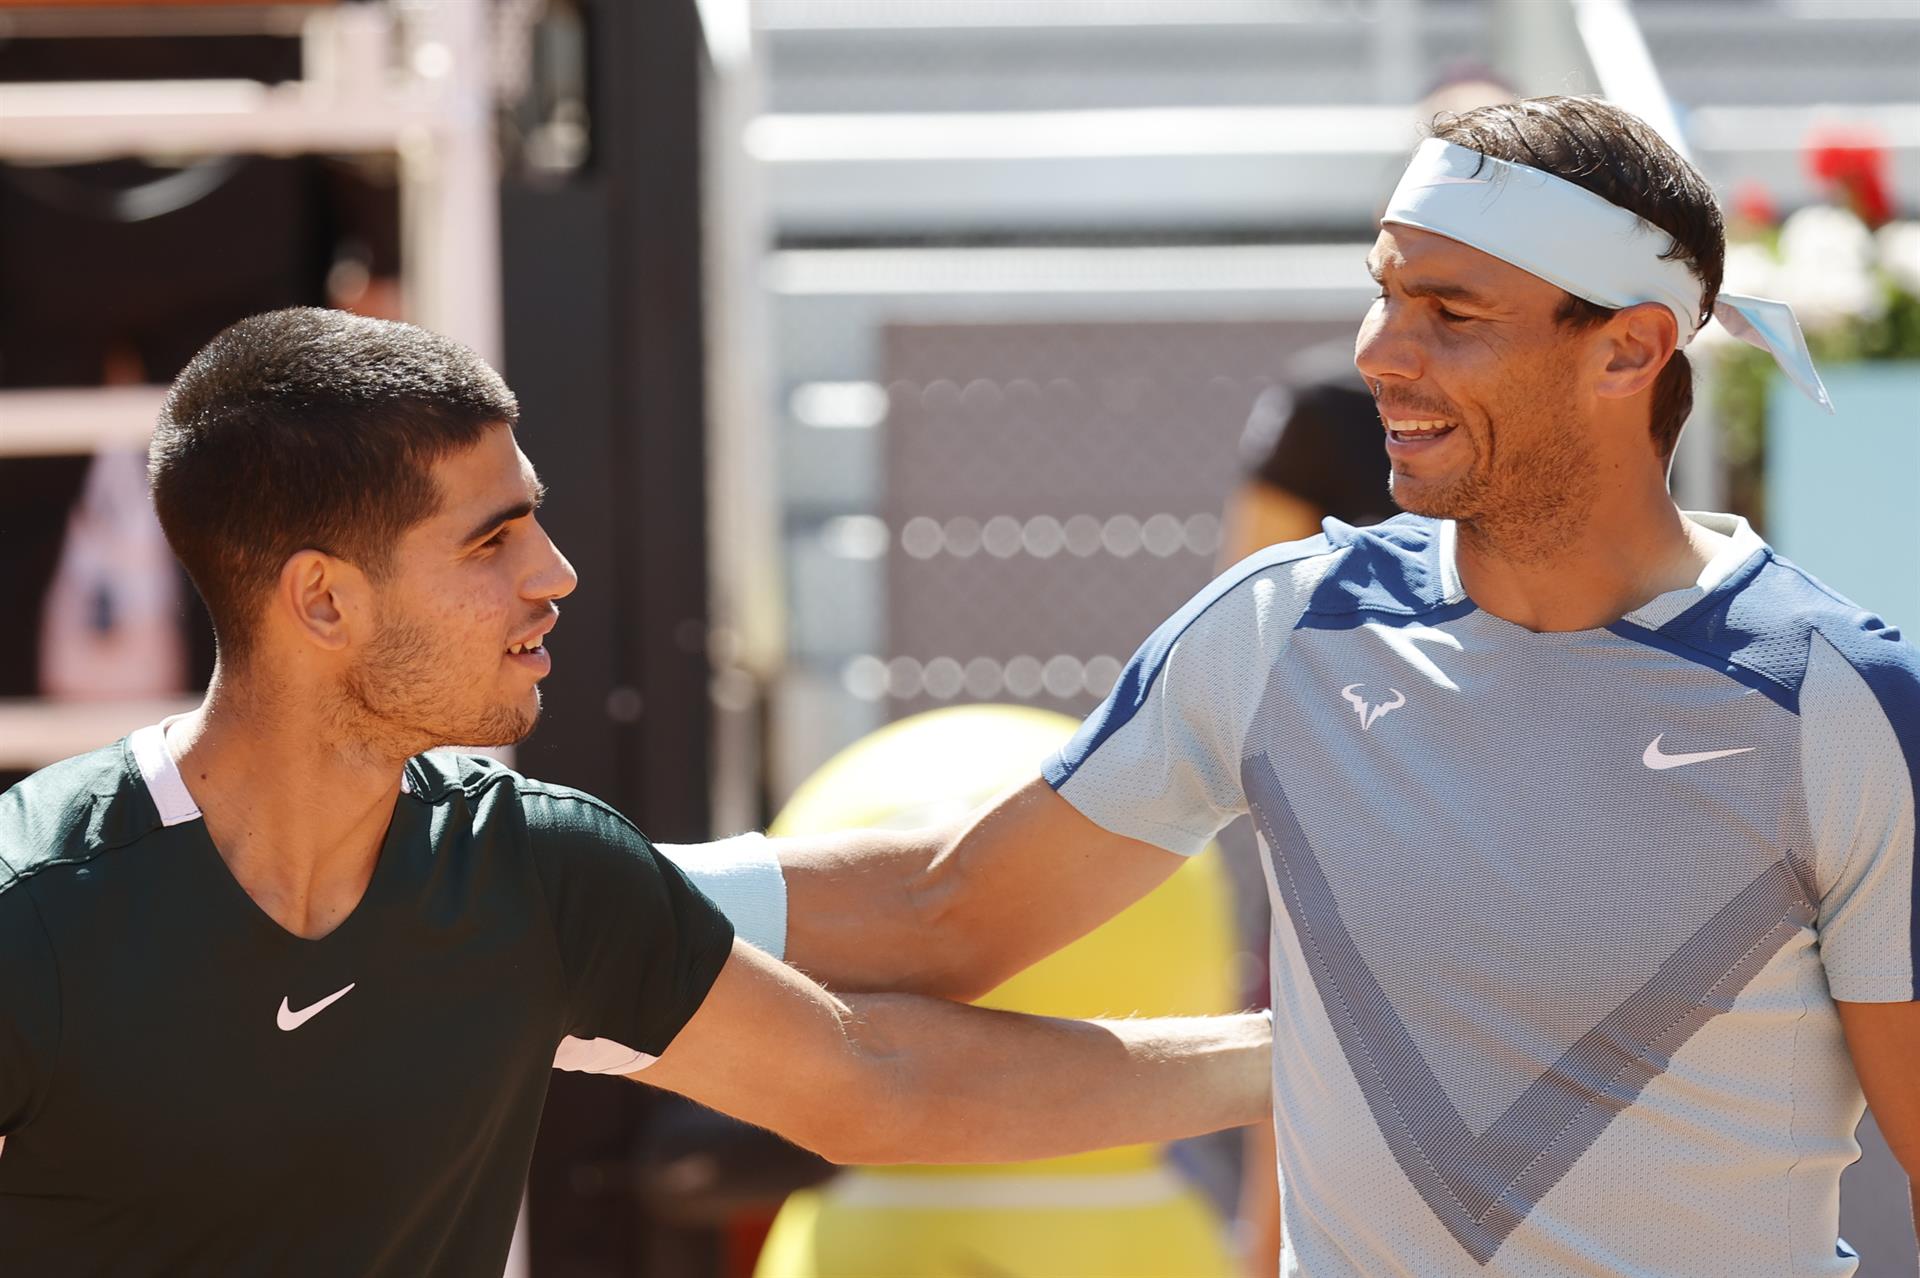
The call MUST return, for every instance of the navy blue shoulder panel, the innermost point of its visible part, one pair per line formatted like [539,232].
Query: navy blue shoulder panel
[1753,627]
[1758,627]
[1137,680]
[1890,667]
[1758,624]
[1391,571]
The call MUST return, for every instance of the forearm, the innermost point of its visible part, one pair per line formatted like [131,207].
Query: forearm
[949,911]
[847,908]
[965,1084]
[954,910]
[859,913]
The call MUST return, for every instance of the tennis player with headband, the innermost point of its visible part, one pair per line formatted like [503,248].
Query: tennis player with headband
[1589,823]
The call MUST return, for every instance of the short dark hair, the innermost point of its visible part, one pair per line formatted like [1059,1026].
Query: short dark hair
[309,429]
[1620,158]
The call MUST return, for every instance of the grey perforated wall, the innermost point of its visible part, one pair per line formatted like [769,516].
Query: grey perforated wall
[1052,493]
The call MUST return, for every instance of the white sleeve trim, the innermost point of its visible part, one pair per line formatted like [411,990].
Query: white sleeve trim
[599,1056]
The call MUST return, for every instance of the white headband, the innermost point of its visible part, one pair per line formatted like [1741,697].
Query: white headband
[1592,248]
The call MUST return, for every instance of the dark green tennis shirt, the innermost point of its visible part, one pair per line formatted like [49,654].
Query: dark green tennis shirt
[186,1088]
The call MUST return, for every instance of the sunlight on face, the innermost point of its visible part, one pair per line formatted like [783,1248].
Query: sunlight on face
[477,578]
[1477,383]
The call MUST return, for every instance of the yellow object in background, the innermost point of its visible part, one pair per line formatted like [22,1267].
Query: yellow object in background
[1121,1213]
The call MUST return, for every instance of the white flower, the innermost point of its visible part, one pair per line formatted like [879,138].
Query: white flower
[1750,269]
[1900,253]
[1826,270]
[1823,234]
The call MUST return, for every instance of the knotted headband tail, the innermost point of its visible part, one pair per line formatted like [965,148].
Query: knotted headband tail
[1572,238]
[1773,327]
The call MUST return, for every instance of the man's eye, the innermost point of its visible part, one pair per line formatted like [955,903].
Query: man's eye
[1453,317]
[494,540]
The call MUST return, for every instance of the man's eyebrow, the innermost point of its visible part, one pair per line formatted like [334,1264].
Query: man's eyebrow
[1451,292]
[1431,288]
[506,515]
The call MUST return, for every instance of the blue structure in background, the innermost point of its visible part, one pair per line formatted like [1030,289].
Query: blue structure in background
[1841,490]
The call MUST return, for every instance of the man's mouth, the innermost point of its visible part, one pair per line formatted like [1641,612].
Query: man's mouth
[1411,430]
[531,645]
[530,654]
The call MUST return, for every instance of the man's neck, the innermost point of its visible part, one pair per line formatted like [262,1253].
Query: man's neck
[1624,550]
[298,818]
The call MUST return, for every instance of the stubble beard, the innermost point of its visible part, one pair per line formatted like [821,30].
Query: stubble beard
[1530,500]
[401,699]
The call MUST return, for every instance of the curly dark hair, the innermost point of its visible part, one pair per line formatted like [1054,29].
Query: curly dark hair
[1620,158]
[309,429]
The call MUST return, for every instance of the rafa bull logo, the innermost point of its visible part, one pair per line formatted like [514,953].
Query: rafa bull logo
[1368,710]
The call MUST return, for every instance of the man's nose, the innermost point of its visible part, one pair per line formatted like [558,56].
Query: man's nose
[1383,348]
[557,578]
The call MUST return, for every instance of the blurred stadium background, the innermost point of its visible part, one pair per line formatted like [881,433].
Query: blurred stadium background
[881,355]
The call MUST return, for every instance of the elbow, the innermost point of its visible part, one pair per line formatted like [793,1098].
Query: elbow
[953,968]
[956,957]
[877,1116]
[869,1132]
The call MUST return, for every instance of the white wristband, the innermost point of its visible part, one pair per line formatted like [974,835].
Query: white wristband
[742,876]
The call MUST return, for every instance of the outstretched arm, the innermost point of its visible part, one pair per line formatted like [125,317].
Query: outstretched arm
[892,1078]
[955,910]
[1150,777]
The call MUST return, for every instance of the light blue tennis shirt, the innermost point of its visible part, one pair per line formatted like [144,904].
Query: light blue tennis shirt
[1559,919]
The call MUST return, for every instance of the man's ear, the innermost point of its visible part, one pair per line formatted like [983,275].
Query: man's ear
[1636,343]
[326,600]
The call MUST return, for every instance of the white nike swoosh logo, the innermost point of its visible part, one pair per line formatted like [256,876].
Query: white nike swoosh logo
[288,1019]
[1660,761]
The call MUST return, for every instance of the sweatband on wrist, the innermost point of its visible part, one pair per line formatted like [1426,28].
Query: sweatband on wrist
[742,877]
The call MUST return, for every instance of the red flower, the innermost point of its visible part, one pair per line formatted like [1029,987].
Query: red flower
[1753,205]
[1852,164]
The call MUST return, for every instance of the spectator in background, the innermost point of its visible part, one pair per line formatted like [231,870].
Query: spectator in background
[1313,449]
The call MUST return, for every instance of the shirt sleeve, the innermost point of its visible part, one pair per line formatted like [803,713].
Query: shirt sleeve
[639,943]
[1159,761]
[29,1006]
[1859,731]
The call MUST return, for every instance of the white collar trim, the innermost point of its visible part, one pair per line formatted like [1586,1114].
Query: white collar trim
[1742,544]
[161,771]
[1451,591]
